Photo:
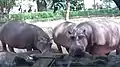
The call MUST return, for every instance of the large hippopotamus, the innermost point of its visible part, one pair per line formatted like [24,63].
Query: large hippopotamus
[18,34]
[97,39]
[61,36]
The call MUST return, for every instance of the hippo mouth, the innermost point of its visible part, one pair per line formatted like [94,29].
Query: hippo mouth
[77,53]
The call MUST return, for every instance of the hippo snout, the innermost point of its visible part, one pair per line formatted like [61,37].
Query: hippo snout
[78,52]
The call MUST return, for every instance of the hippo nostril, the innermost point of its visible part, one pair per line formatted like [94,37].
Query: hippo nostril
[72,37]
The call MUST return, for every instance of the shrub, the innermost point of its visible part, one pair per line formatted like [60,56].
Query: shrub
[61,14]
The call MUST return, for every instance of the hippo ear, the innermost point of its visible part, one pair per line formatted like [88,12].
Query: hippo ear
[84,31]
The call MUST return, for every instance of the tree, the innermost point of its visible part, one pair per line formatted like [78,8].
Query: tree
[41,5]
[94,6]
[107,3]
[68,10]
[76,4]
[117,2]
[67,5]
[58,3]
[6,4]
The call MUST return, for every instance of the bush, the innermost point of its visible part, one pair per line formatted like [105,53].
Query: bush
[61,14]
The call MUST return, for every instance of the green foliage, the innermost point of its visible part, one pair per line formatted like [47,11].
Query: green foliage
[102,12]
[7,3]
[38,15]
[61,14]
[74,5]
[77,4]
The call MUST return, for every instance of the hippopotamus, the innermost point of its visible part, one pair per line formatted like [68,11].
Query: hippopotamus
[61,36]
[19,34]
[98,39]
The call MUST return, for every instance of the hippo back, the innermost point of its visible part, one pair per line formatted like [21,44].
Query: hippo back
[20,34]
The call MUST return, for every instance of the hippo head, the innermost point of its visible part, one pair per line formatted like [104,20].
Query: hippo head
[78,41]
[43,44]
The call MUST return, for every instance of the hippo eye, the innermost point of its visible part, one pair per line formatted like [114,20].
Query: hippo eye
[69,32]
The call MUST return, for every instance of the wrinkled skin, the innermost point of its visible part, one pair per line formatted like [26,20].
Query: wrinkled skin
[95,38]
[18,34]
[61,36]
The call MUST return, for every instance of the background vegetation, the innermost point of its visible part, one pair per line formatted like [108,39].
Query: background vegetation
[61,14]
[57,9]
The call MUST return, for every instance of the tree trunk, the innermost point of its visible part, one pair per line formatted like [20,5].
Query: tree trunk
[2,10]
[117,2]
[37,2]
[94,5]
[41,6]
[109,4]
[8,10]
[45,3]
[54,1]
[68,10]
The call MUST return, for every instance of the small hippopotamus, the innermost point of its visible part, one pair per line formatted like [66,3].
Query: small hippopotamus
[61,36]
[18,34]
[95,38]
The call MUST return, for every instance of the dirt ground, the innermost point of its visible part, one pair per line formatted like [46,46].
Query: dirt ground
[48,26]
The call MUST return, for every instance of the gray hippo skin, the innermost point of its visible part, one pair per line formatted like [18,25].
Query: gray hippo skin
[97,39]
[18,34]
[61,36]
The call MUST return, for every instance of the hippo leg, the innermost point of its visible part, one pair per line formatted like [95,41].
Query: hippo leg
[4,46]
[118,51]
[29,48]
[11,49]
[59,48]
[89,49]
[99,50]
